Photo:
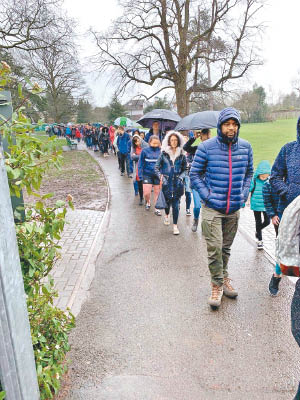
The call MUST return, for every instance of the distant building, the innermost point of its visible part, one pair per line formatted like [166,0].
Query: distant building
[135,109]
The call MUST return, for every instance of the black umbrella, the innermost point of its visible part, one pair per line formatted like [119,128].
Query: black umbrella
[167,118]
[199,120]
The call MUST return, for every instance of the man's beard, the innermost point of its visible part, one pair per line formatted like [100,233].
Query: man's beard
[229,140]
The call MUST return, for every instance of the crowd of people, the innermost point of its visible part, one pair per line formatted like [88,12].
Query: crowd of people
[217,174]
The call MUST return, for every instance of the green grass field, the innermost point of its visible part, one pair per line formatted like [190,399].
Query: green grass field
[268,138]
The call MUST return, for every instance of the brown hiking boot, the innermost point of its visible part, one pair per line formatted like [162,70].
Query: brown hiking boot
[229,291]
[216,296]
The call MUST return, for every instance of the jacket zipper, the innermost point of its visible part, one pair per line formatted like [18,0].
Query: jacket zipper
[230,180]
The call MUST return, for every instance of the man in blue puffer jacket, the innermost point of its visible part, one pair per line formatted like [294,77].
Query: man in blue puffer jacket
[221,172]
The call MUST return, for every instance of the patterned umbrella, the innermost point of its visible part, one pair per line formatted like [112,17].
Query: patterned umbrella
[124,121]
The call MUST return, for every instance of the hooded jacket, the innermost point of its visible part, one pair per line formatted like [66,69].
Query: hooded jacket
[144,144]
[288,241]
[271,200]
[147,161]
[285,175]
[172,167]
[104,135]
[111,134]
[221,172]
[257,185]
[122,143]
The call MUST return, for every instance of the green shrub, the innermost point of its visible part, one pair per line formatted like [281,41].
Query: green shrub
[49,330]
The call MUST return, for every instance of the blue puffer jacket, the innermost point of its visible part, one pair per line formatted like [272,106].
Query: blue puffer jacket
[285,175]
[271,200]
[122,143]
[257,185]
[222,172]
[147,161]
[173,172]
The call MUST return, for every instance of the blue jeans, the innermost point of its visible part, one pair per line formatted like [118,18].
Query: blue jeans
[129,164]
[174,203]
[197,203]
[188,200]
[136,187]
[89,141]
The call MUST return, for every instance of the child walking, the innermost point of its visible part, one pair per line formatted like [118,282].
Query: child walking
[271,200]
[261,175]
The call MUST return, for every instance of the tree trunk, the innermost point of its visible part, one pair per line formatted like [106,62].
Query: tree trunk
[182,99]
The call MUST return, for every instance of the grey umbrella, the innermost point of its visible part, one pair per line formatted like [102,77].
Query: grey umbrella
[199,120]
[167,118]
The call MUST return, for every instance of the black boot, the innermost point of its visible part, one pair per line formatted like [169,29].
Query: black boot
[195,225]
[274,285]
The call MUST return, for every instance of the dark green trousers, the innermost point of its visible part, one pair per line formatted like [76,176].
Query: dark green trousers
[219,231]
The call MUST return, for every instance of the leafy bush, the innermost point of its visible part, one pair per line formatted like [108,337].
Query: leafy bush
[49,330]
[26,162]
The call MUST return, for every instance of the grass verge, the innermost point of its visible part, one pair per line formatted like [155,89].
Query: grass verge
[80,176]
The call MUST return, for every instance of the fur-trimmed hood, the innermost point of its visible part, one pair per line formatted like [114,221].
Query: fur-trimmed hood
[143,143]
[167,149]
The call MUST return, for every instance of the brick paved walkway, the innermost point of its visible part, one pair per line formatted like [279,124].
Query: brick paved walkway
[247,226]
[72,272]
[81,243]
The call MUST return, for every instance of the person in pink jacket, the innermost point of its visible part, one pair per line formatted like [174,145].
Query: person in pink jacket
[112,137]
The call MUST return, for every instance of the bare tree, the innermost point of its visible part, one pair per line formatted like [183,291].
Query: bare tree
[191,47]
[57,70]
[22,22]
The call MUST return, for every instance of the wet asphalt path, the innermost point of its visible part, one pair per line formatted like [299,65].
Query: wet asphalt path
[147,333]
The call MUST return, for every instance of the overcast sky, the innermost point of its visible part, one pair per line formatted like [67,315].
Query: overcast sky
[280,44]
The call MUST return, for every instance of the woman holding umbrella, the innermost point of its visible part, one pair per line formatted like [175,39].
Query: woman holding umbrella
[171,169]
